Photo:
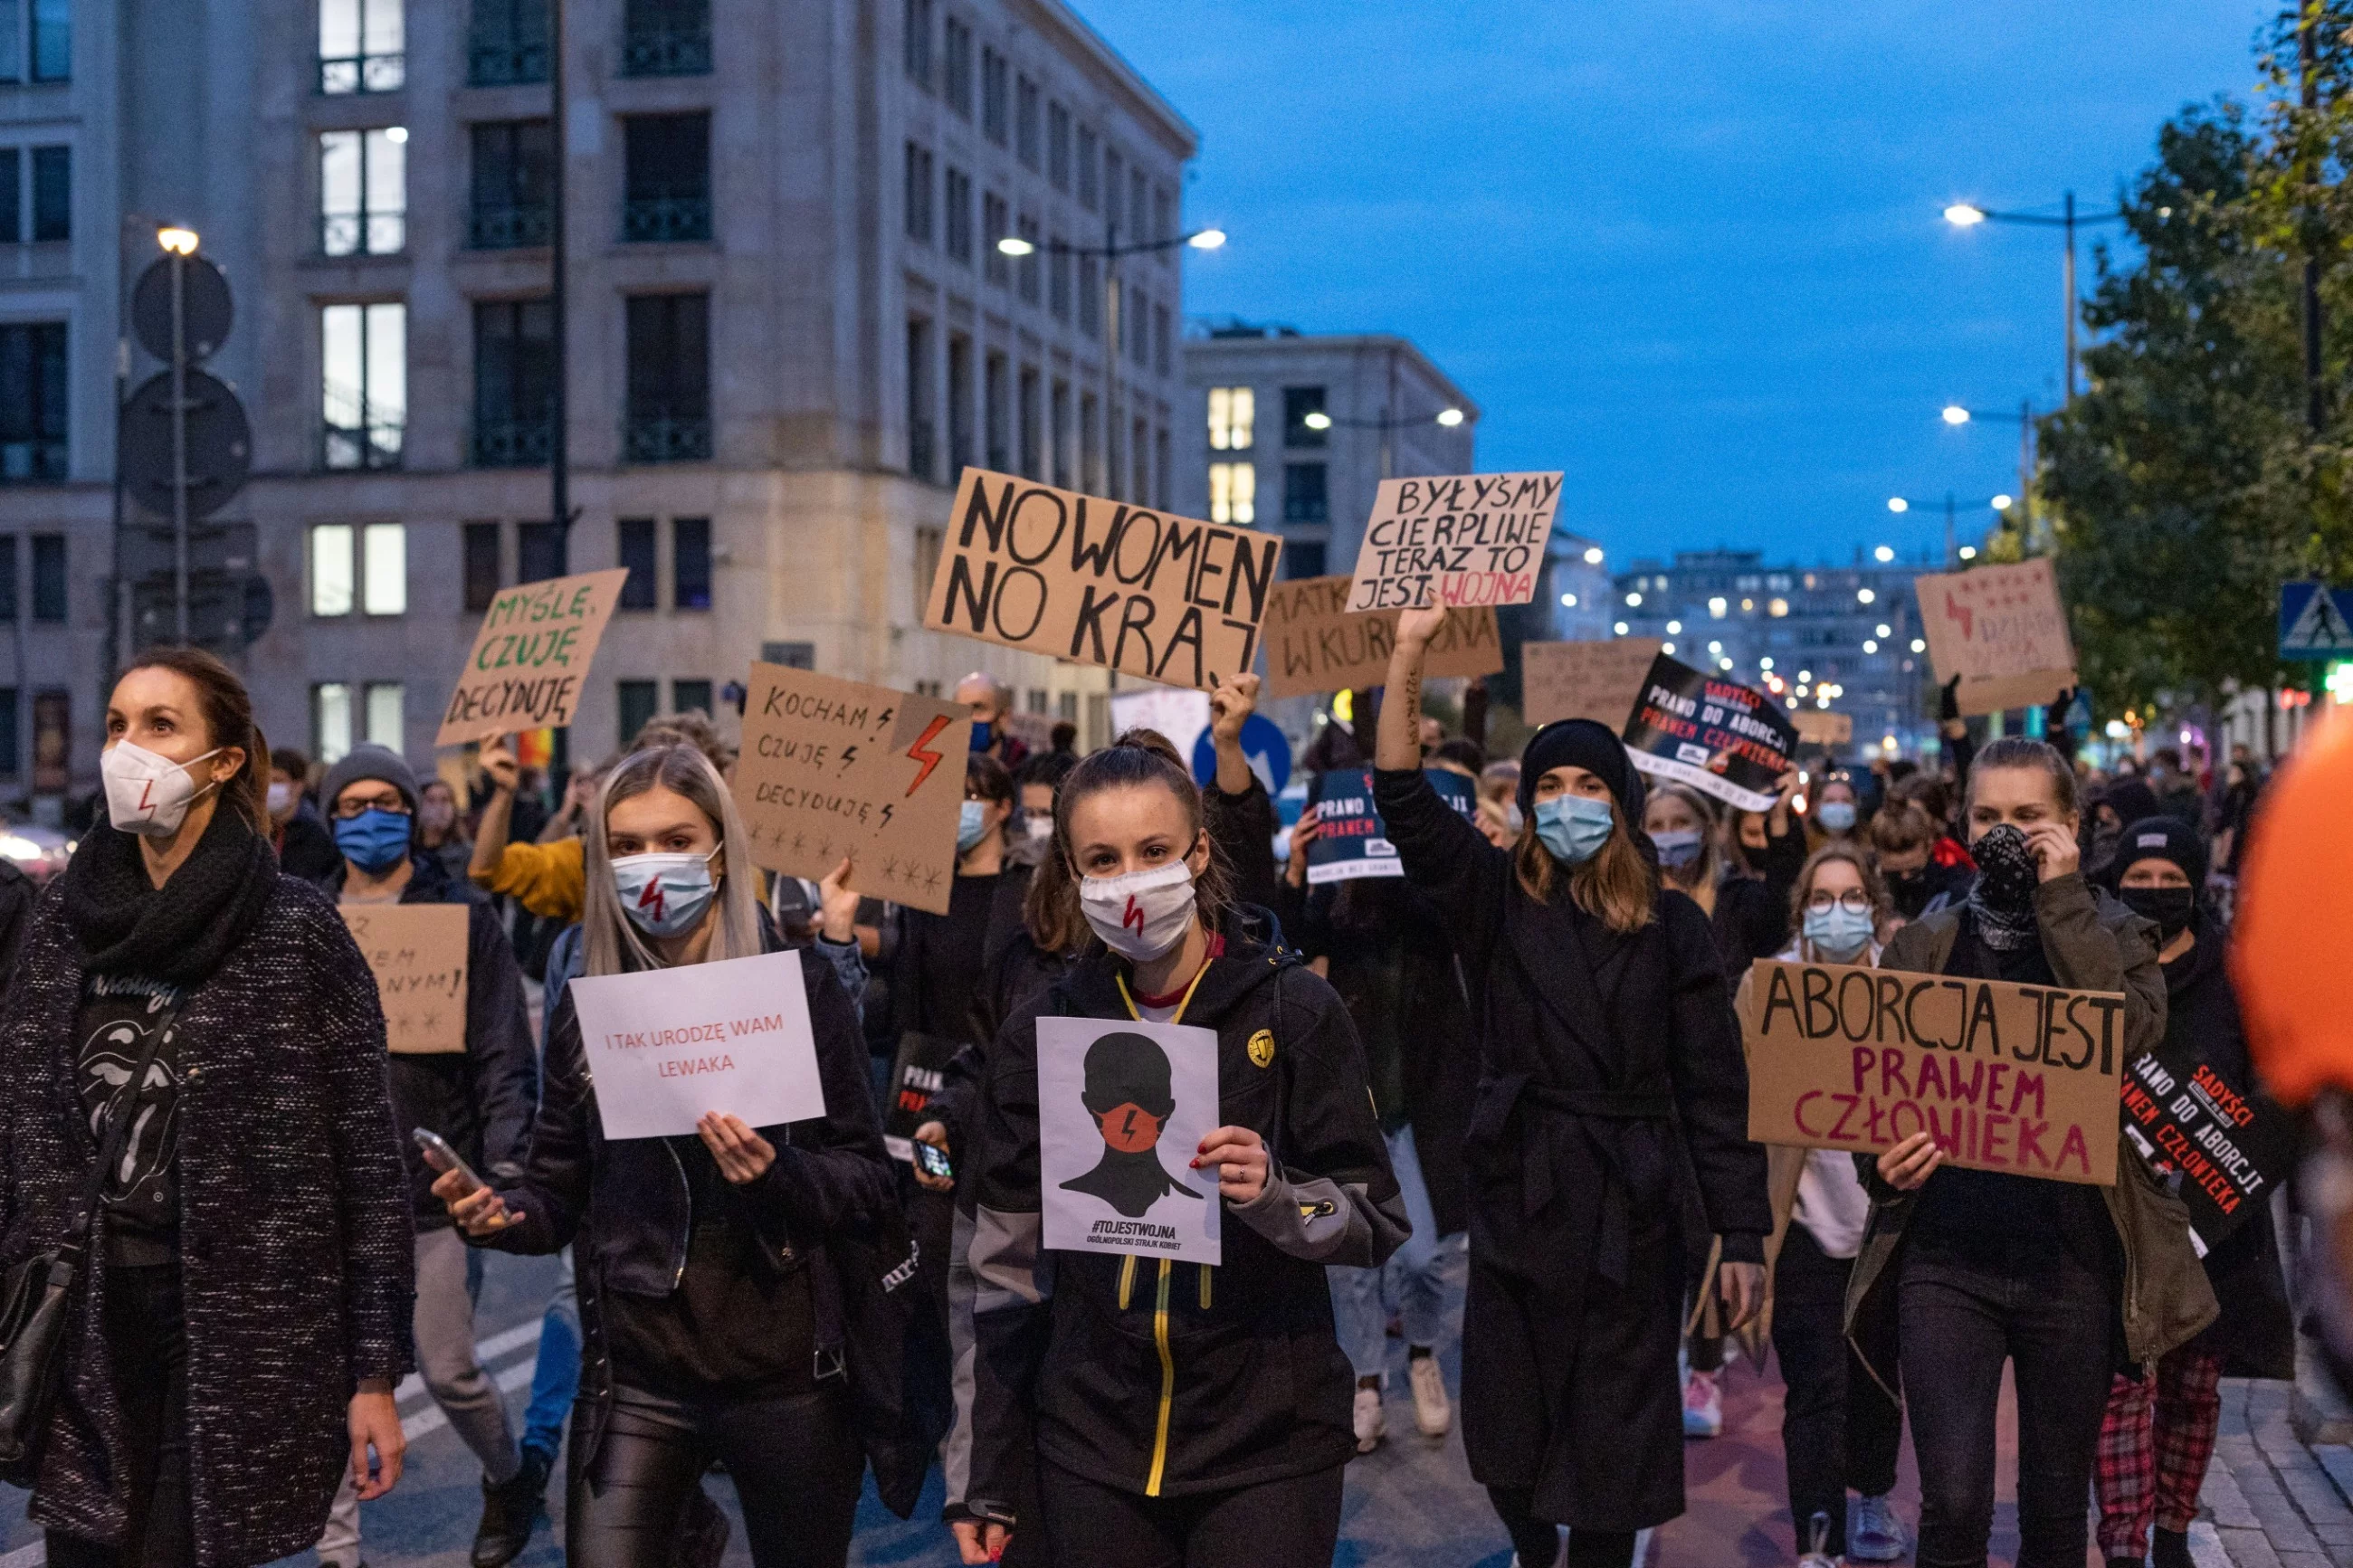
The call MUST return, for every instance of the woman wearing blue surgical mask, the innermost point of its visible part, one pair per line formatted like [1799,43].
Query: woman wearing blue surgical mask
[1837,810]
[1841,1427]
[714,1268]
[1606,1035]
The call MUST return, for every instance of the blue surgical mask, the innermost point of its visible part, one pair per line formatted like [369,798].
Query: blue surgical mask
[665,895]
[1836,816]
[984,734]
[1838,933]
[972,825]
[1574,827]
[1677,848]
[375,841]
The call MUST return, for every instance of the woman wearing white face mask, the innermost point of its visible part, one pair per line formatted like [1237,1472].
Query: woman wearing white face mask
[712,1268]
[1169,1412]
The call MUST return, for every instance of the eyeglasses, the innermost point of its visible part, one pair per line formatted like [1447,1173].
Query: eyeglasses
[346,809]
[1855,901]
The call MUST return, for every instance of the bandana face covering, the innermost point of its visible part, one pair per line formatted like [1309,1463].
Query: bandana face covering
[2003,896]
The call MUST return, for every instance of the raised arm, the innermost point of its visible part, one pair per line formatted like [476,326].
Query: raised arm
[498,763]
[1398,744]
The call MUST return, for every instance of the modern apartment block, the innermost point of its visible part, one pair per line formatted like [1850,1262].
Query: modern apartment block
[788,327]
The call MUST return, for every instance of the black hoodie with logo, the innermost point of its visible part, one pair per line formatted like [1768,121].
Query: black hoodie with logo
[1166,1378]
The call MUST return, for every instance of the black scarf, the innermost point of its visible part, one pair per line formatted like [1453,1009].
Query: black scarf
[180,931]
[2003,896]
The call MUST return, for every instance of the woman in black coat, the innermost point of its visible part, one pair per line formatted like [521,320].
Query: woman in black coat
[226,1361]
[712,1268]
[1606,1028]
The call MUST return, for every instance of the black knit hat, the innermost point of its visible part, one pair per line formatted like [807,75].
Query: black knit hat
[2160,839]
[1582,744]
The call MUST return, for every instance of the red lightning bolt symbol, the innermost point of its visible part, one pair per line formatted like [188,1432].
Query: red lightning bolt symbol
[928,758]
[1133,916]
[652,898]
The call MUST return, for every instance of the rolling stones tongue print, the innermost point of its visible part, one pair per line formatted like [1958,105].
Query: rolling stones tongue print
[119,1017]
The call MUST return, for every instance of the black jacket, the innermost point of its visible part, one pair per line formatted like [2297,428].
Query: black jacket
[17,895]
[1752,913]
[1069,1359]
[1243,827]
[289,1299]
[940,978]
[306,846]
[623,1207]
[482,1100]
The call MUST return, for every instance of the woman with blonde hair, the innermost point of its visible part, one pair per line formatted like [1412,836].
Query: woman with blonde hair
[711,1275]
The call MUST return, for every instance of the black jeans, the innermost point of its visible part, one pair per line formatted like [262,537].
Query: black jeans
[1289,1523]
[147,1341]
[1838,1427]
[2052,1316]
[1538,1540]
[796,1464]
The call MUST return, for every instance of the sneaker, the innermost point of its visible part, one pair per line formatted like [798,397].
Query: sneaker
[1431,1411]
[1371,1425]
[509,1509]
[1703,1406]
[1876,1534]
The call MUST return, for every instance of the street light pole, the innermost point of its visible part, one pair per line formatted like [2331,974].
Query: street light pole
[180,444]
[2307,69]
[559,457]
[2071,296]
[1968,214]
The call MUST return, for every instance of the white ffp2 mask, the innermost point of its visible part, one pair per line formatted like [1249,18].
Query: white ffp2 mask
[146,793]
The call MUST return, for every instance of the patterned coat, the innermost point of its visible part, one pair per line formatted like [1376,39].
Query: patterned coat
[297,1267]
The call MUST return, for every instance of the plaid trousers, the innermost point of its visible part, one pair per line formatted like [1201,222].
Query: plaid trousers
[2155,1444]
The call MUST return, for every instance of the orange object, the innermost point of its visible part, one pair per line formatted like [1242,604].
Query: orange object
[534,748]
[2291,954]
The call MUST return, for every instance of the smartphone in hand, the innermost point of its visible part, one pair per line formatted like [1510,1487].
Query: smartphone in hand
[441,1157]
[933,1161]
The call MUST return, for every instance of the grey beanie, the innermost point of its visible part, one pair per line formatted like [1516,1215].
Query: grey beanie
[368,761]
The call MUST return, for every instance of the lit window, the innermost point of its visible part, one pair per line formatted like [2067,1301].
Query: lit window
[364,192]
[1233,491]
[1233,414]
[1863,596]
[1619,628]
[1568,600]
[383,571]
[1868,646]
[1918,647]
[1765,663]
[334,570]
[1674,629]
[1666,647]
[1716,608]
[360,46]
[1778,607]
[1633,601]
[386,710]
[330,721]
[364,384]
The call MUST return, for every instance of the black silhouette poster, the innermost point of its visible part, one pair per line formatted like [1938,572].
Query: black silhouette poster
[1121,1107]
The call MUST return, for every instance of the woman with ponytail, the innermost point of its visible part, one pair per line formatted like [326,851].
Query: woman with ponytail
[1205,1426]
[209,1023]
[1606,1029]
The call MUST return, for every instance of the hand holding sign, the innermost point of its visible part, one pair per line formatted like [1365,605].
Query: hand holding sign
[531,657]
[1999,631]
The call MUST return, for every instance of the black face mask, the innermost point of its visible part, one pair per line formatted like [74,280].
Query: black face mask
[2170,907]
[1910,891]
[2007,870]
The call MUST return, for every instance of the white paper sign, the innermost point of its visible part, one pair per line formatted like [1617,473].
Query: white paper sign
[1121,1107]
[1177,712]
[667,1045]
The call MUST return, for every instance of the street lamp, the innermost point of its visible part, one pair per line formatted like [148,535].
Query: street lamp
[178,241]
[1968,214]
[1319,420]
[1953,507]
[1957,415]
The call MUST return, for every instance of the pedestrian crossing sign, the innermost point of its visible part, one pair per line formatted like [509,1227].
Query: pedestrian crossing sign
[2316,621]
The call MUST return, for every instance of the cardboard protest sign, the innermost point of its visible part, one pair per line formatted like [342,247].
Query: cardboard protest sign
[667,1045]
[1350,840]
[917,1073]
[1820,727]
[1597,681]
[1103,582]
[1718,736]
[833,768]
[1180,716]
[2001,630]
[417,953]
[531,657]
[1313,645]
[1121,1107]
[1463,539]
[2230,1147]
[2018,1078]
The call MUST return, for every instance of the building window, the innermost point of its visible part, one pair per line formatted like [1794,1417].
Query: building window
[997,413]
[364,192]
[387,714]
[1033,424]
[52,194]
[690,563]
[1057,147]
[1298,403]
[1163,223]
[918,197]
[335,569]
[33,403]
[360,47]
[514,383]
[481,543]
[958,60]
[1233,416]
[540,551]
[1135,325]
[507,43]
[929,544]
[1087,196]
[1137,189]
[364,384]
[330,721]
[791,654]
[995,223]
[919,399]
[383,569]
[1090,297]
[12,191]
[1160,359]
[1113,167]
[7,577]
[957,195]
[638,702]
[513,183]
[1303,558]
[959,404]
[995,97]
[1057,279]
[1026,115]
[1115,460]
[1304,495]
[665,38]
[52,41]
[1160,469]
[670,379]
[48,577]
[1233,492]
[1140,451]
[11,754]
[1089,446]
[690,697]
[366,568]
[915,45]
[1027,268]
[634,539]
[666,195]
[1061,416]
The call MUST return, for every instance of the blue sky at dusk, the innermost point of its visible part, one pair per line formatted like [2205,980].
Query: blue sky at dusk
[1689,253]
